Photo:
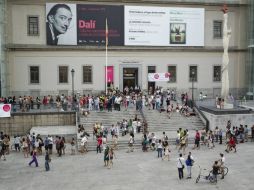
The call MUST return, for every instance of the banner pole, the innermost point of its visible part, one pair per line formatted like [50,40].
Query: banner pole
[106,81]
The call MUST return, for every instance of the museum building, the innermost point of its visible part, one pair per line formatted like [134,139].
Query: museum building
[118,43]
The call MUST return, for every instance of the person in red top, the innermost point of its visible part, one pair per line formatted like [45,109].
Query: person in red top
[197,140]
[231,144]
[99,143]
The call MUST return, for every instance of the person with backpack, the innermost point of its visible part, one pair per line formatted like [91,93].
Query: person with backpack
[189,163]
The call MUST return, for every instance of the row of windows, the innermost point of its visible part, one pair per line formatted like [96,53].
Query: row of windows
[63,74]
[33,27]
[193,73]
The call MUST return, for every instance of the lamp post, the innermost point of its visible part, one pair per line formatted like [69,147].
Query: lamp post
[72,86]
[192,86]
[78,99]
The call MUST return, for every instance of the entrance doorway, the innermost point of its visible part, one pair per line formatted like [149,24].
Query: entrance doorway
[130,77]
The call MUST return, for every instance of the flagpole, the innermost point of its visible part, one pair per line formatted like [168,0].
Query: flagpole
[106,35]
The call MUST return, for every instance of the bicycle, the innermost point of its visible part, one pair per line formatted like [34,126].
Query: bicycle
[220,173]
[209,177]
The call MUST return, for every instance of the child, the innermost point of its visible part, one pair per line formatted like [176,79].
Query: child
[47,160]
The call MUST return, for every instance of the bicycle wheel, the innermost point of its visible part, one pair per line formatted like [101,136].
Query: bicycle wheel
[213,179]
[197,180]
[225,171]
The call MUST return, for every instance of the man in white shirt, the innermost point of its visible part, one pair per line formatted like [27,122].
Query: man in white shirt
[83,144]
[221,164]
[180,166]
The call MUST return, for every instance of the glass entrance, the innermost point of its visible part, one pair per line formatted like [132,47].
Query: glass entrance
[130,77]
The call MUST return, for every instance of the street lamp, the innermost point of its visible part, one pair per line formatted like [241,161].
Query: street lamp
[78,99]
[72,85]
[192,88]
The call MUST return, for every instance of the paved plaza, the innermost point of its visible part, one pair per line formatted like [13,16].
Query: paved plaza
[137,170]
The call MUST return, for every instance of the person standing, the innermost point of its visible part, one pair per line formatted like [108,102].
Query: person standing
[47,160]
[221,164]
[215,170]
[131,142]
[180,166]
[189,163]
[197,140]
[34,158]
[159,148]
[72,146]
[220,136]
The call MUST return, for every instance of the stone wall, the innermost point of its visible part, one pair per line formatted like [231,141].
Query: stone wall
[21,123]
[236,120]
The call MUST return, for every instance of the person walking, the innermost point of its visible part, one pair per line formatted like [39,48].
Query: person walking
[47,160]
[111,155]
[180,166]
[166,151]
[34,158]
[99,143]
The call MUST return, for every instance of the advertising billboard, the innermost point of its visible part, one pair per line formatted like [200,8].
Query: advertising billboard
[61,24]
[92,24]
[164,26]
[81,24]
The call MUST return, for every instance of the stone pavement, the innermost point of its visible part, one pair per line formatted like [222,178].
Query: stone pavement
[131,171]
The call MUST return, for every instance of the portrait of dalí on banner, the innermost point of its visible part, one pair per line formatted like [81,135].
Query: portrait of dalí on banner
[61,24]
[177,33]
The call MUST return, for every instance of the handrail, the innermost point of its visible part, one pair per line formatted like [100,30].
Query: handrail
[203,116]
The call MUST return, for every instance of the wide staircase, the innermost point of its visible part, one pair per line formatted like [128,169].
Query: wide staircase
[107,119]
[157,123]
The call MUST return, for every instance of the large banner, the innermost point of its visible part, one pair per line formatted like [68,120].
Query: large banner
[92,24]
[155,77]
[5,110]
[81,24]
[61,24]
[160,26]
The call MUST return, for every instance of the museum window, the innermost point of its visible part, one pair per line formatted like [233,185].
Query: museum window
[33,25]
[216,73]
[63,74]
[87,74]
[193,74]
[34,75]
[172,71]
[217,29]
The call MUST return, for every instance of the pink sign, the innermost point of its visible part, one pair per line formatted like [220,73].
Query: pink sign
[110,72]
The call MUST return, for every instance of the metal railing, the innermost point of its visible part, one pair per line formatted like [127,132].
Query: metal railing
[202,115]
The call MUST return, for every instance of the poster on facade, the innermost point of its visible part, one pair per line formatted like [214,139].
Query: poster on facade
[5,110]
[110,74]
[61,24]
[164,26]
[91,21]
[177,33]
[155,77]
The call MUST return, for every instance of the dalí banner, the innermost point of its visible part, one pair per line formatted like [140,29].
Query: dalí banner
[92,24]
[5,110]
[81,24]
